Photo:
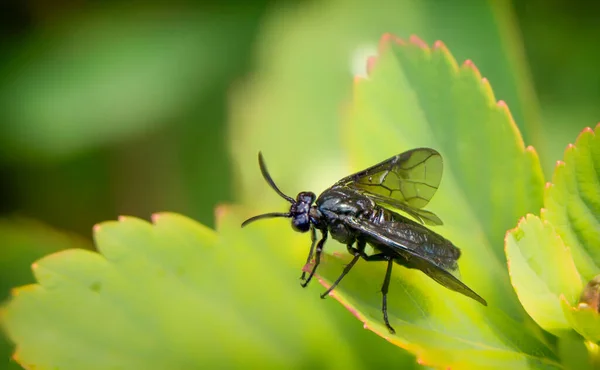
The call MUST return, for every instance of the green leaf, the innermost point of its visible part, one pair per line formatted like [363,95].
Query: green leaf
[572,201]
[442,330]
[547,256]
[585,320]
[175,294]
[417,96]
[574,352]
[542,271]
[94,305]
[22,242]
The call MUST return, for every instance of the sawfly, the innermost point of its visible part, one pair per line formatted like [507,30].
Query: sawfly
[360,209]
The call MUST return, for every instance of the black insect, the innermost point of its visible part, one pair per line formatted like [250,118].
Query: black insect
[356,211]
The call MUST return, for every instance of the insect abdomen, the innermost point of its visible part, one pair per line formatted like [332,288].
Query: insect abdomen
[414,236]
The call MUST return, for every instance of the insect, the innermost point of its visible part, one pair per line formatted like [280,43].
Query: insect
[357,210]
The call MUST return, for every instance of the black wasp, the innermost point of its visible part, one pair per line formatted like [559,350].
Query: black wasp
[356,212]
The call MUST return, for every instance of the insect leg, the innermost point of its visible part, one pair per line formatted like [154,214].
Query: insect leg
[318,251]
[386,282]
[313,238]
[347,269]
[384,292]
[361,244]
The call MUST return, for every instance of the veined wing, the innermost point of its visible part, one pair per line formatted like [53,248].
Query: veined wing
[421,215]
[437,261]
[406,181]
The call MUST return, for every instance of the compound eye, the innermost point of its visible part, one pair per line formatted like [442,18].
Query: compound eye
[301,223]
[306,197]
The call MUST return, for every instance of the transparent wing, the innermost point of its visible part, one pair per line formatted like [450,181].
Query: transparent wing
[437,262]
[406,181]
[420,215]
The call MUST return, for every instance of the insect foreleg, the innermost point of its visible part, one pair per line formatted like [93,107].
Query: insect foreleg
[357,255]
[313,238]
[384,292]
[319,250]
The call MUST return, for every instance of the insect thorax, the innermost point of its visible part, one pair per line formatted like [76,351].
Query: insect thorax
[334,203]
[344,201]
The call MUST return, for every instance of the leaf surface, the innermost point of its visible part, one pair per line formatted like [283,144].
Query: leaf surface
[542,271]
[22,242]
[174,294]
[572,201]
[552,257]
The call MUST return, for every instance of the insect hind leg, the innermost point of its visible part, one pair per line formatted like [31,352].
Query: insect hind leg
[384,292]
[357,255]
[386,283]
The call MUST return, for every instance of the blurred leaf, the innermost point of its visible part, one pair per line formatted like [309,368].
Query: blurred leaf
[542,270]
[584,319]
[22,242]
[572,201]
[176,295]
[489,34]
[109,75]
[290,109]
[573,352]
[416,96]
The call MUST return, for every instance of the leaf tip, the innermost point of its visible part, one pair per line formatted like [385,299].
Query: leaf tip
[501,104]
[387,39]
[415,40]
[584,134]
[96,228]
[515,232]
[371,61]
[17,358]
[470,65]
[439,45]
[221,212]
[155,217]
[487,86]
[530,150]
[589,129]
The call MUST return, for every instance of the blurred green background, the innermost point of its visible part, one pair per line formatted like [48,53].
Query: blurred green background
[111,108]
